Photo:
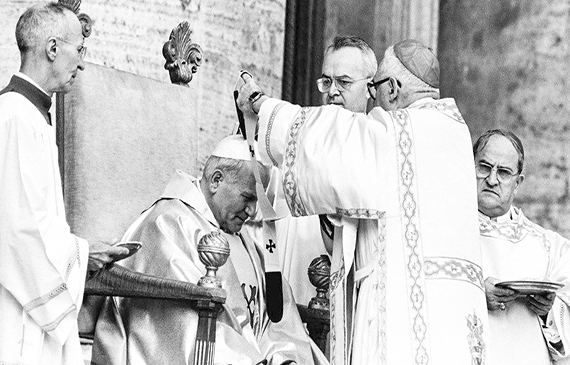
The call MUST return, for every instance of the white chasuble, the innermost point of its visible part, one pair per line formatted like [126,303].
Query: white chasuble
[406,282]
[514,248]
[42,265]
[133,331]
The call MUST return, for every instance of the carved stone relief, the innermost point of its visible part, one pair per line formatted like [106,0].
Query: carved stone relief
[85,19]
[182,56]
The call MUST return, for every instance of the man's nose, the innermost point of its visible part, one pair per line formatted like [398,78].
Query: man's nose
[250,209]
[492,178]
[333,89]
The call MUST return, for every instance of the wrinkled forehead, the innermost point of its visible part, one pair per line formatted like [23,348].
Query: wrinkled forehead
[499,150]
[244,179]
[245,188]
[347,61]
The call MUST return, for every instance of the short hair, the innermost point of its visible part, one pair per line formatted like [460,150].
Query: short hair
[391,66]
[232,168]
[368,56]
[515,141]
[39,22]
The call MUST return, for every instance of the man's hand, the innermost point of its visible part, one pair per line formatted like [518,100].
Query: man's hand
[540,303]
[100,254]
[498,298]
[245,91]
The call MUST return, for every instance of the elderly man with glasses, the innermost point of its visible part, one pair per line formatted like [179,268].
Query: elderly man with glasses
[406,282]
[348,66]
[42,264]
[523,263]
[349,63]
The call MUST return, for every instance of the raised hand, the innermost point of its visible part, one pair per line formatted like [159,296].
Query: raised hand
[247,91]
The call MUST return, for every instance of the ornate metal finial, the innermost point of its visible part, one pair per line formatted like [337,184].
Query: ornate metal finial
[319,275]
[182,56]
[213,250]
[84,19]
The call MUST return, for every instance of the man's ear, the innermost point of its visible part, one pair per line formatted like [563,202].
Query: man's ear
[519,181]
[394,89]
[51,49]
[215,180]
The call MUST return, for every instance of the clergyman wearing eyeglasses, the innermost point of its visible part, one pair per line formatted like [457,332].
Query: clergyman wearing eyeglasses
[523,263]
[42,264]
[348,66]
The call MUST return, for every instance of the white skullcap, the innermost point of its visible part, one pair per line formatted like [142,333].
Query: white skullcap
[234,147]
[420,60]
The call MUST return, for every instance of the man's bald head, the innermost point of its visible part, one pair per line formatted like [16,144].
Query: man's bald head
[408,72]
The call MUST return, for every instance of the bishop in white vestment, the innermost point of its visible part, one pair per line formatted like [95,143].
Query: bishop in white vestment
[144,331]
[407,285]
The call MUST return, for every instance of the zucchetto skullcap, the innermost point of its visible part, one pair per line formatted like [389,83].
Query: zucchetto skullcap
[419,60]
[234,147]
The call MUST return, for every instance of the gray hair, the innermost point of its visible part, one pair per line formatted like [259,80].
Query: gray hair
[515,141]
[368,56]
[232,168]
[40,22]
[411,84]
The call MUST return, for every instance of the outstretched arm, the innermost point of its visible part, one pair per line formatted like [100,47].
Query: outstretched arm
[331,160]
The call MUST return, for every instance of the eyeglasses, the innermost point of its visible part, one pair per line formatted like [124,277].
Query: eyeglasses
[374,85]
[81,49]
[342,84]
[484,170]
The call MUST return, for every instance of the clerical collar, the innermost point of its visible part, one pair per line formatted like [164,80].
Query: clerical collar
[29,79]
[23,85]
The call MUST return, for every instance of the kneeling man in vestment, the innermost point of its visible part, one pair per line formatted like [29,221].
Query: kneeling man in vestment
[144,331]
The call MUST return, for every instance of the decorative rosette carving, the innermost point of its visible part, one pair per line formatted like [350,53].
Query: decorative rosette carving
[319,275]
[213,251]
[86,24]
[72,5]
[182,56]
[84,19]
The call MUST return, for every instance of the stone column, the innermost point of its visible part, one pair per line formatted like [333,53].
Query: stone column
[384,22]
[396,20]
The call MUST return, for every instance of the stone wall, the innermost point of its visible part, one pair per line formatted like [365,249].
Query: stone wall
[128,35]
[506,62]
